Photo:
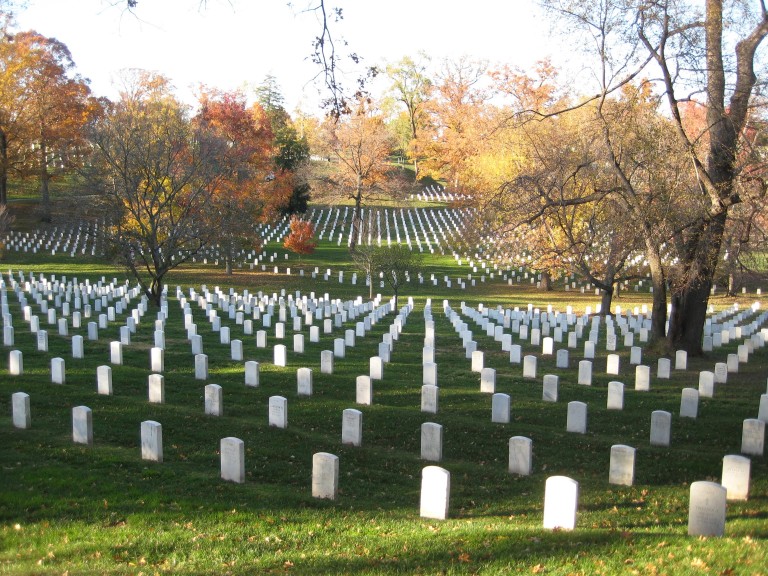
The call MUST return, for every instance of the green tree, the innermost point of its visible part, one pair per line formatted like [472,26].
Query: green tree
[292,149]
[412,88]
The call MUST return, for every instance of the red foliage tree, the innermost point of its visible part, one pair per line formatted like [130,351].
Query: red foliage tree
[300,240]
[246,186]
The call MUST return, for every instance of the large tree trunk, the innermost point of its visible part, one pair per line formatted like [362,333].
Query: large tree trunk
[545,285]
[354,233]
[659,284]
[3,169]
[228,257]
[686,323]
[45,178]
[689,303]
[702,247]
[606,299]
[156,291]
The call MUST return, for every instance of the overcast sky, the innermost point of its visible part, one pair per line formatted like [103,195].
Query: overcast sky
[227,43]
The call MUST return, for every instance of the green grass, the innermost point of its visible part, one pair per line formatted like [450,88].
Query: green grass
[65,508]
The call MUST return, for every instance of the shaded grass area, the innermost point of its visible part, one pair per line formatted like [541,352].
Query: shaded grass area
[103,510]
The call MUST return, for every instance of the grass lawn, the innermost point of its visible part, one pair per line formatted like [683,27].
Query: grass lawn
[72,509]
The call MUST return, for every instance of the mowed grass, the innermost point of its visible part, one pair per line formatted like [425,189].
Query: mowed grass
[66,508]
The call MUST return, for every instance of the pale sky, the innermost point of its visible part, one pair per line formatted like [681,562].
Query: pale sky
[227,43]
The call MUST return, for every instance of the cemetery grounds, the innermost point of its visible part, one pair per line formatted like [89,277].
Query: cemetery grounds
[68,508]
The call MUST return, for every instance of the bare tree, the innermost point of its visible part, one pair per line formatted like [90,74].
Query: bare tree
[690,54]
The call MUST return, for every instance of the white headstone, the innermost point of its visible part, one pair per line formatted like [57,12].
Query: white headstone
[721,373]
[478,361]
[681,360]
[612,364]
[214,400]
[261,339]
[529,366]
[689,403]
[561,501]
[151,441]
[500,408]
[82,425]
[326,362]
[339,347]
[435,493]
[278,411]
[664,367]
[364,390]
[15,363]
[116,352]
[431,442]
[577,417]
[22,417]
[550,388]
[251,373]
[384,351]
[661,428]
[706,384]
[520,455]
[642,378]
[429,373]
[58,371]
[232,459]
[77,347]
[762,413]
[752,437]
[622,466]
[352,427]
[488,380]
[615,395]
[304,382]
[585,373]
[736,476]
[325,475]
[376,368]
[201,367]
[429,398]
[706,512]
[156,388]
[104,380]
[280,355]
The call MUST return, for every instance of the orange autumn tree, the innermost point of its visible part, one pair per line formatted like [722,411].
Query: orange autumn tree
[301,238]
[247,190]
[155,173]
[44,107]
[458,124]
[358,148]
